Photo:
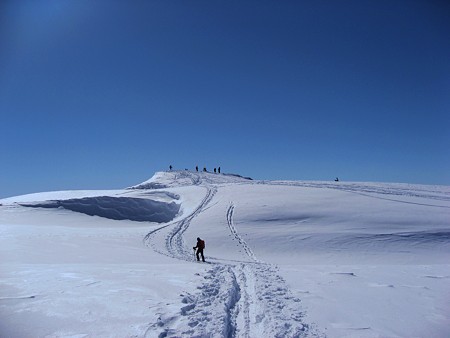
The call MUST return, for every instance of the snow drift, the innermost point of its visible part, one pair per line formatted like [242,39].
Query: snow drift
[117,208]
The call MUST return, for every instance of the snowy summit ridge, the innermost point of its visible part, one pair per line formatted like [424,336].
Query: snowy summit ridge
[284,259]
[166,179]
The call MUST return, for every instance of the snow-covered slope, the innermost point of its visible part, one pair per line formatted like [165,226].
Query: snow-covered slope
[284,259]
[187,178]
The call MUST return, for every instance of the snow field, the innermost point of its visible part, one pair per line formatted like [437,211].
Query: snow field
[285,259]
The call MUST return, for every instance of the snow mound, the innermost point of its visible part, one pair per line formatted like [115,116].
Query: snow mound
[169,179]
[116,208]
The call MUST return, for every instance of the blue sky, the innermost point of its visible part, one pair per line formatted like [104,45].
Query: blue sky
[101,94]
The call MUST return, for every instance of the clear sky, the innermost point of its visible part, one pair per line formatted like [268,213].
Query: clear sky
[101,94]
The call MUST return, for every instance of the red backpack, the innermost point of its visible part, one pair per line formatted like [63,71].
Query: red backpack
[201,244]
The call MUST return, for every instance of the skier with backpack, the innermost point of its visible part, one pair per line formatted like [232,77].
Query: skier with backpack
[200,246]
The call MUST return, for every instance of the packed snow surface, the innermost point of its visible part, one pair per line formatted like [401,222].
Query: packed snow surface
[284,259]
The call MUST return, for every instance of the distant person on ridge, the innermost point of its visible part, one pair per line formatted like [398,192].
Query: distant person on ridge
[215,170]
[170,167]
[196,168]
[219,170]
[200,246]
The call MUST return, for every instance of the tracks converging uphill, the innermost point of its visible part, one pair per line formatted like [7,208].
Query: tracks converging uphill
[247,299]
[175,242]
[239,299]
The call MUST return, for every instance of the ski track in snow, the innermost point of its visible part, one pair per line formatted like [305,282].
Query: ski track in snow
[246,299]
[372,191]
[233,230]
[175,242]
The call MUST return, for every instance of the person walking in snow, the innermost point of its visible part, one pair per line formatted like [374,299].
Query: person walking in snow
[200,246]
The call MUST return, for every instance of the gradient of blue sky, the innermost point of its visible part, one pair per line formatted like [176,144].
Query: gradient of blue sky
[101,94]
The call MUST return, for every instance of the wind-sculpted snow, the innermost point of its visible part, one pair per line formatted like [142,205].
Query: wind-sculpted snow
[149,185]
[117,208]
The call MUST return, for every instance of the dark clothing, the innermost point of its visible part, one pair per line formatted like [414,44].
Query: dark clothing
[200,246]
[200,252]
